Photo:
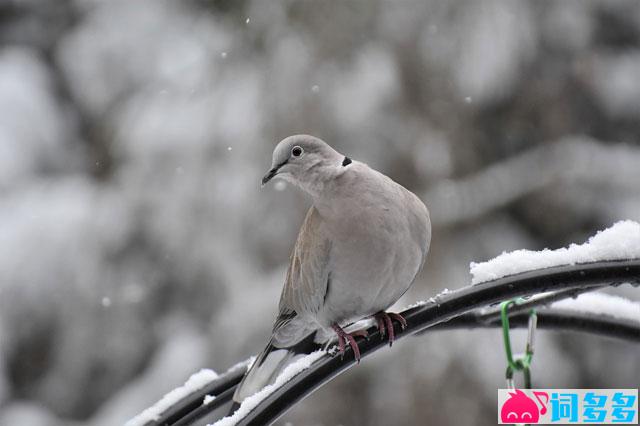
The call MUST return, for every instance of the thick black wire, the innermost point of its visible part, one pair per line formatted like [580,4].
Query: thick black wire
[556,319]
[549,319]
[203,410]
[463,304]
[581,277]
[192,402]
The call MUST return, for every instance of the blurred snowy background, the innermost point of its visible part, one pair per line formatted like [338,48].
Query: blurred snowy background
[136,245]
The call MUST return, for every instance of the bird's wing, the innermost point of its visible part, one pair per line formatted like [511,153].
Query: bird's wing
[308,275]
[303,293]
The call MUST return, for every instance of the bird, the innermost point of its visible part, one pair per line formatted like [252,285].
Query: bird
[362,243]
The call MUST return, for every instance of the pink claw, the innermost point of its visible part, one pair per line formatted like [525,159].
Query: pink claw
[385,324]
[344,336]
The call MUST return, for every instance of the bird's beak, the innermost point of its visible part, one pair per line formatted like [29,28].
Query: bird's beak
[270,174]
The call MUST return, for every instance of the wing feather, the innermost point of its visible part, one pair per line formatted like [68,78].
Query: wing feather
[306,281]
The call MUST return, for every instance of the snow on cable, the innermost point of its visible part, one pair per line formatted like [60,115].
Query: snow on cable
[196,381]
[252,401]
[603,304]
[619,242]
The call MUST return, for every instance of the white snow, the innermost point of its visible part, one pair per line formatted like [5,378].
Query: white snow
[603,304]
[252,401]
[433,300]
[621,241]
[415,305]
[195,382]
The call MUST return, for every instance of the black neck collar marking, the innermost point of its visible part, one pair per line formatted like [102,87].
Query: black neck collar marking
[346,161]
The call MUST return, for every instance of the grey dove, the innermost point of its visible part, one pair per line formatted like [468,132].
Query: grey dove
[362,243]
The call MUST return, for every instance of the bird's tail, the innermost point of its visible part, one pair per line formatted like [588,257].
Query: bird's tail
[269,364]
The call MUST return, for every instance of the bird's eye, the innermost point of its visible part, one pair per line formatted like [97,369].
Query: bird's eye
[296,151]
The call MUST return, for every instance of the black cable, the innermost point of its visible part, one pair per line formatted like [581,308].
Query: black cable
[581,277]
[459,308]
[548,319]
[555,319]
[194,401]
[492,313]
[203,409]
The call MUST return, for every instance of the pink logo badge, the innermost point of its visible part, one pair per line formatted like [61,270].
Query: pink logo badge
[519,408]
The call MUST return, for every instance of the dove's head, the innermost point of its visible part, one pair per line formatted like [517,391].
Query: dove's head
[305,161]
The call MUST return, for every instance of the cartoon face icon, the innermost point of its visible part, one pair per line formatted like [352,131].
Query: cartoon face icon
[519,408]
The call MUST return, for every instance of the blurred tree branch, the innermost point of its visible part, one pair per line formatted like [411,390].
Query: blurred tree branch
[570,160]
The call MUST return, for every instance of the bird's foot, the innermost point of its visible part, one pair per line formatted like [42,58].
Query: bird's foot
[344,337]
[385,324]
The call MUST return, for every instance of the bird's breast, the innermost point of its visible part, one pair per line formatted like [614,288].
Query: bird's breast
[373,262]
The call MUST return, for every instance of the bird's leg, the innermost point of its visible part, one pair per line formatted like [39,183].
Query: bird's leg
[344,337]
[380,321]
[385,324]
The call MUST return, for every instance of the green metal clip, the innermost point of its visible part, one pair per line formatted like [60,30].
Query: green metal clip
[524,363]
